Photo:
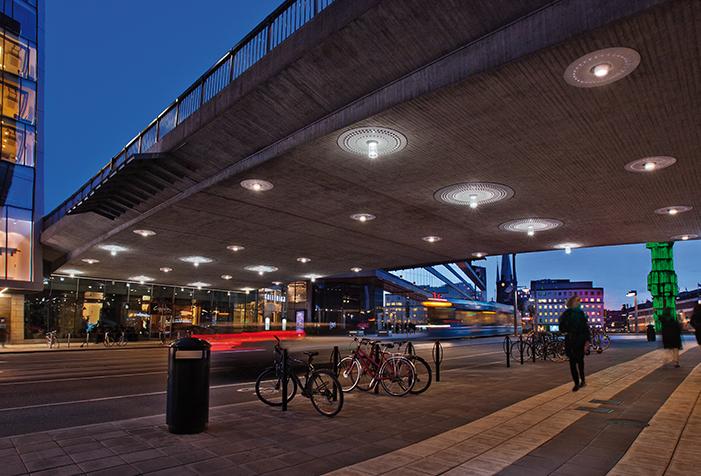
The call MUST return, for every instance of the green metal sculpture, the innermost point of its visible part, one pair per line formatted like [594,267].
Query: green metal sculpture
[662,282]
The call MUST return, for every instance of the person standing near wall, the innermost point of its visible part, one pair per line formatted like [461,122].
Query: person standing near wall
[575,325]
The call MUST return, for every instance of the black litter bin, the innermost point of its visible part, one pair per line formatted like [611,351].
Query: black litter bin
[187,407]
[651,334]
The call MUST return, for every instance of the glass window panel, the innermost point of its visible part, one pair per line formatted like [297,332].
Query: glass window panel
[26,15]
[28,101]
[10,97]
[18,248]
[21,186]
[19,57]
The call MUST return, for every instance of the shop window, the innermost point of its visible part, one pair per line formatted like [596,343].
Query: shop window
[17,239]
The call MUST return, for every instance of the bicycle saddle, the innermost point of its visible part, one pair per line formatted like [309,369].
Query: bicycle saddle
[311,354]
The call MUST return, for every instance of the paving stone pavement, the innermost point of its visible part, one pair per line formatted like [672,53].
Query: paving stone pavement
[250,438]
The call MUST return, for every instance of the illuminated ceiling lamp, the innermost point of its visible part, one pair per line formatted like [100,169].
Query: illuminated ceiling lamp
[530,225]
[141,279]
[372,142]
[235,248]
[304,260]
[70,272]
[166,269]
[685,237]
[363,217]
[673,210]
[356,269]
[432,238]
[602,67]
[261,268]
[650,164]
[256,185]
[568,247]
[113,249]
[196,260]
[145,233]
[473,194]
[90,260]
[199,284]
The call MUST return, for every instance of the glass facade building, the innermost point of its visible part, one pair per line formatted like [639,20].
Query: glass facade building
[21,154]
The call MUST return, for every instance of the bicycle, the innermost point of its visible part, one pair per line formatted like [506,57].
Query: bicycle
[109,342]
[364,371]
[320,385]
[424,374]
[52,340]
[600,341]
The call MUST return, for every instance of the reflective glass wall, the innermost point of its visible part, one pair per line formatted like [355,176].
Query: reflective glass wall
[77,305]
[18,129]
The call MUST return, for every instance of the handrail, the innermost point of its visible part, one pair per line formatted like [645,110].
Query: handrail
[285,20]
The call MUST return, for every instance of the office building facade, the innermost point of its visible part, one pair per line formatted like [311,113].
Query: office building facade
[550,297]
[21,154]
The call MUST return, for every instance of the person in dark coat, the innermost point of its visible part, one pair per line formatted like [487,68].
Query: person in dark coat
[575,326]
[696,322]
[672,338]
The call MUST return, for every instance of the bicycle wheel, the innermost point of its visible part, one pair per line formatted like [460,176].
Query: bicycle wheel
[348,373]
[397,376]
[269,387]
[424,375]
[325,392]
[605,342]
[366,378]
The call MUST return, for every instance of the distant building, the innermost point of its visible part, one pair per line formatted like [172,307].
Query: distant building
[399,308]
[550,296]
[505,281]
[686,300]
[616,320]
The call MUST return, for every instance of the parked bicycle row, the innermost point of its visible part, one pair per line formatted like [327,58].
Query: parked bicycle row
[548,346]
[108,340]
[370,365]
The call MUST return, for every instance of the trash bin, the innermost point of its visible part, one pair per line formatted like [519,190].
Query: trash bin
[651,334]
[187,402]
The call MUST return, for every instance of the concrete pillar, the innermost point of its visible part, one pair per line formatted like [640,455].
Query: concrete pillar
[16,318]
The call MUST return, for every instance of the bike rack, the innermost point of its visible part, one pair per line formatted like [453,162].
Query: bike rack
[437,353]
[410,349]
[507,350]
[335,359]
[378,360]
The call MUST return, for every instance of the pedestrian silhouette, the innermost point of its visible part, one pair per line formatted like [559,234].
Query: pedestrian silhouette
[573,323]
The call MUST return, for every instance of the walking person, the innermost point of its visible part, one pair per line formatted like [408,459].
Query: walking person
[672,339]
[573,322]
[696,322]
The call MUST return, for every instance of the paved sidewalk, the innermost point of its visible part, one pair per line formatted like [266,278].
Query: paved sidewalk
[75,347]
[479,414]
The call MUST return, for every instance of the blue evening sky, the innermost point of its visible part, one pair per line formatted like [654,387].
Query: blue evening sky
[113,65]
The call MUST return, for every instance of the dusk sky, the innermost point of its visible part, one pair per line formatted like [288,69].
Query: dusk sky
[112,66]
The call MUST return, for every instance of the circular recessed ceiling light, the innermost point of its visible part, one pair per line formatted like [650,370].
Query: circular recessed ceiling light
[70,272]
[277,283]
[303,260]
[432,238]
[166,269]
[145,233]
[530,225]
[226,276]
[686,237]
[312,277]
[235,247]
[90,260]
[650,164]
[473,194]
[602,67]
[257,185]
[479,255]
[363,217]
[356,269]
[141,279]
[199,284]
[261,268]
[113,249]
[568,247]
[196,260]
[372,142]
[675,210]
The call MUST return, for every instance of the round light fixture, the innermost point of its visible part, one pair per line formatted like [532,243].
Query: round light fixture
[568,247]
[199,284]
[675,210]
[113,249]
[363,217]
[145,233]
[277,283]
[650,164]
[356,269]
[479,255]
[141,279]
[235,248]
[196,260]
[166,269]
[70,272]
[473,194]
[257,185]
[303,260]
[312,277]
[602,67]
[261,268]
[530,225]
[686,237]
[432,238]
[372,142]
[90,260]
[226,276]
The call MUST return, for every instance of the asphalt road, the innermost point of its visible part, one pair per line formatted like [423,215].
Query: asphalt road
[49,390]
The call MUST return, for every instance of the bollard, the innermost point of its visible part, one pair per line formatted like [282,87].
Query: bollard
[507,350]
[335,359]
[438,358]
[533,348]
[284,380]
[520,347]
[378,360]
[187,399]
[410,349]
[69,340]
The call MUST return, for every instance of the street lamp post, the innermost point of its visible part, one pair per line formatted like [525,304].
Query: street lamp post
[634,294]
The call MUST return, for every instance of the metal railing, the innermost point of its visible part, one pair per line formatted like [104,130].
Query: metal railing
[289,17]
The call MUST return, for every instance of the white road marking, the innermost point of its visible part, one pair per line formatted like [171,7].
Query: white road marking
[70,379]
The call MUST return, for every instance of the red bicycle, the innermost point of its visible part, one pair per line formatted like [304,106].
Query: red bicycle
[371,364]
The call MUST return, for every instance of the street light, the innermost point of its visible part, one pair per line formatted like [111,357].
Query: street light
[634,294]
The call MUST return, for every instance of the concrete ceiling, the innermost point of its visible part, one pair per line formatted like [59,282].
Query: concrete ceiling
[510,119]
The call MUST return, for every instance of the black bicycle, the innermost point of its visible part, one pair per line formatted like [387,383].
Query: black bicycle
[320,386]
